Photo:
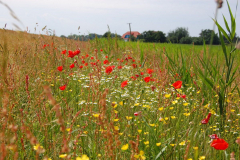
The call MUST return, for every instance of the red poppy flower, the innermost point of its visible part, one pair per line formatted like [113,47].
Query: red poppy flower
[176,75]
[64,52]
[76,52]
[124,84]
[134,65]
[80,67]
[62,87]
[71,54]
[177,84]
[60,68]
[119,67]
[147,79]
[142,73]
[149,71]
[85,64]
[45,45]
[101,50]
[133,60]
[183,96]
[137,113]
[109,69]
[105,62]
[205,121]
[219,144]
[137,75]
[87,55]
[72,65]
[106,57]
[92,57]
[213,136]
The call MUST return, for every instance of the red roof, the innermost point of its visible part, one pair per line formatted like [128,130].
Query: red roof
[134,33]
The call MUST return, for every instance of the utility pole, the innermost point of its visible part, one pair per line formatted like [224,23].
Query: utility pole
[130,30]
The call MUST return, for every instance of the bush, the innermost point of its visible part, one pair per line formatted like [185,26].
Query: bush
[186,40]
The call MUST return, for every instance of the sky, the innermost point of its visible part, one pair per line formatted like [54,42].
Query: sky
[94,16]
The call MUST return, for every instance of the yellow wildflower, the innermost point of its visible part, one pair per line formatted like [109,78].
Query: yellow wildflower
[84,157]
[121,103]
[167,95]
[96,115]
[124,147]
[158,144]
[146,106]
[207,106]
[182,143]
[68,129]
[136,104]
[146,143]
[186,114]
[202,157]
[116,128]
[128,118]
[174,102]
[63,156]
[160,109]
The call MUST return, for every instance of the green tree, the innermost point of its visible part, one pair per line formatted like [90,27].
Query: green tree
[186,40]
[107,34]
[197,40]
[153,36]
[207,35]
[176,35]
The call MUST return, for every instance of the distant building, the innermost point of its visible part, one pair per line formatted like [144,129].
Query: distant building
[126,35]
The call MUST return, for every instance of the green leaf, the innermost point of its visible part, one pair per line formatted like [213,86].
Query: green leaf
[222,30]
[206,80]
[143,63]
[226,24]
[232,78]
[233,22]
[160,153]
[141,56]
[223,46]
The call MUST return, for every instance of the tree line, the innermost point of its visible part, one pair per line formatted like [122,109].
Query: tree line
[179,35]
[91,36]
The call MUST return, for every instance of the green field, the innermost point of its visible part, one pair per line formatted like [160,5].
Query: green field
[109,99]
[97,116]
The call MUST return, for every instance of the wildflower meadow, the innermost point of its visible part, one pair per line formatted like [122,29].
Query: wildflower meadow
[109,99]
